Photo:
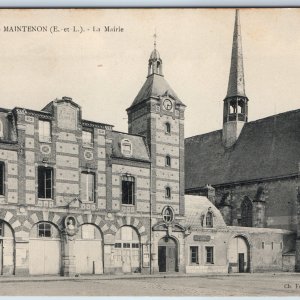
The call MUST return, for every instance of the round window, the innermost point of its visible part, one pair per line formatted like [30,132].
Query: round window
[168,214]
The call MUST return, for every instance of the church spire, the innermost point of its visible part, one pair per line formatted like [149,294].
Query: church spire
[235,112]
[236,84]
[155,62]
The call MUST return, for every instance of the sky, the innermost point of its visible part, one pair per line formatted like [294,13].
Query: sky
[104,71]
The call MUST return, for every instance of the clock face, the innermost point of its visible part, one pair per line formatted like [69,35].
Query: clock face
[167,104]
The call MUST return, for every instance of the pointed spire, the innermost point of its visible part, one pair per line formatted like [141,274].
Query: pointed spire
[236,84]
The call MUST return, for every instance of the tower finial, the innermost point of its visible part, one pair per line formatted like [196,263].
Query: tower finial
[155,37]
[155,62]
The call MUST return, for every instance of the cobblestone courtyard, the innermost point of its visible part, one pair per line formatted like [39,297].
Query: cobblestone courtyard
[235,285]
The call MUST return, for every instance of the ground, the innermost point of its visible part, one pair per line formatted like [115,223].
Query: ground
[283,284]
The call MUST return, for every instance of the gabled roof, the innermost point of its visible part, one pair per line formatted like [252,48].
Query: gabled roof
[155,86]
[139,147]
[266,148]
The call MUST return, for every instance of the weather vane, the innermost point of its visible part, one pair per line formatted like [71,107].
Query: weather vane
[155,37]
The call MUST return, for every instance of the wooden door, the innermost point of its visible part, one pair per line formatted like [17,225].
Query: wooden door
[162,258]
[241,263]
[44,256]
[171,258]
[88,257]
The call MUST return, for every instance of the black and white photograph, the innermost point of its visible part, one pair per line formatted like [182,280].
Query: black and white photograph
[150,152]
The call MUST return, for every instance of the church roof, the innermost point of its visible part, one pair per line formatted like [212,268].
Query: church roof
[155,86]
[266,148]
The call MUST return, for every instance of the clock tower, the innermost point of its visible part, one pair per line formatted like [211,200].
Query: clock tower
[158,114]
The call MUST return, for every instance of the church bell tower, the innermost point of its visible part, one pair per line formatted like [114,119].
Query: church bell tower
[235,112]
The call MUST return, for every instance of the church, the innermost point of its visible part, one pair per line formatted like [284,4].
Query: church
[252,168]
[78,197]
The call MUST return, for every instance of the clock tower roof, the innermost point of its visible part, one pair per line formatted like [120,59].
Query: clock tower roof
[155,86]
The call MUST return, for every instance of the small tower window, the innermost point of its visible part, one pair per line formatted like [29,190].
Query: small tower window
[126,147]
[167,128]
[168,161]
[168,214]
[168,192]
[1,129]
[209,220]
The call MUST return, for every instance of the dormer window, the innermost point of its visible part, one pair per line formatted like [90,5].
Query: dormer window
[167,128]
[87,138]
[44,131]
[209,220]
[126,147]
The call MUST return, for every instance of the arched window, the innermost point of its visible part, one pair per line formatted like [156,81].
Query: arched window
[168,214]
[246,212]
[168,192]
[168,128]
[168,161]
[209,221]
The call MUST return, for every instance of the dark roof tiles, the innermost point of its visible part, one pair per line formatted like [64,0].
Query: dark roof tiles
[266,148]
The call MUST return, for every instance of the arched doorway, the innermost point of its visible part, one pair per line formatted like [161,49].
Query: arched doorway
[7,249]
[239,254]
[167,255]
[127,250]
[44,249]
[88,250]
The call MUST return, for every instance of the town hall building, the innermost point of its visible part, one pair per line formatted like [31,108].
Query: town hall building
[78,197]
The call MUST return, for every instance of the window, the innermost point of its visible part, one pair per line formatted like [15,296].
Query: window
[126,245]
[209,220]
[168,214]
[194,255]
[87,187]
[1,129]
[281,245]
[135,245]
[1,228]
[87,138]
[45,182]
[246,214]
[209,255]
[168,128]
[118,245]
[44,131]
[272,245]
[168,193]
[262,245]
[128,190]
[2,170]
[44,230]
[126,147]
[168,161]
